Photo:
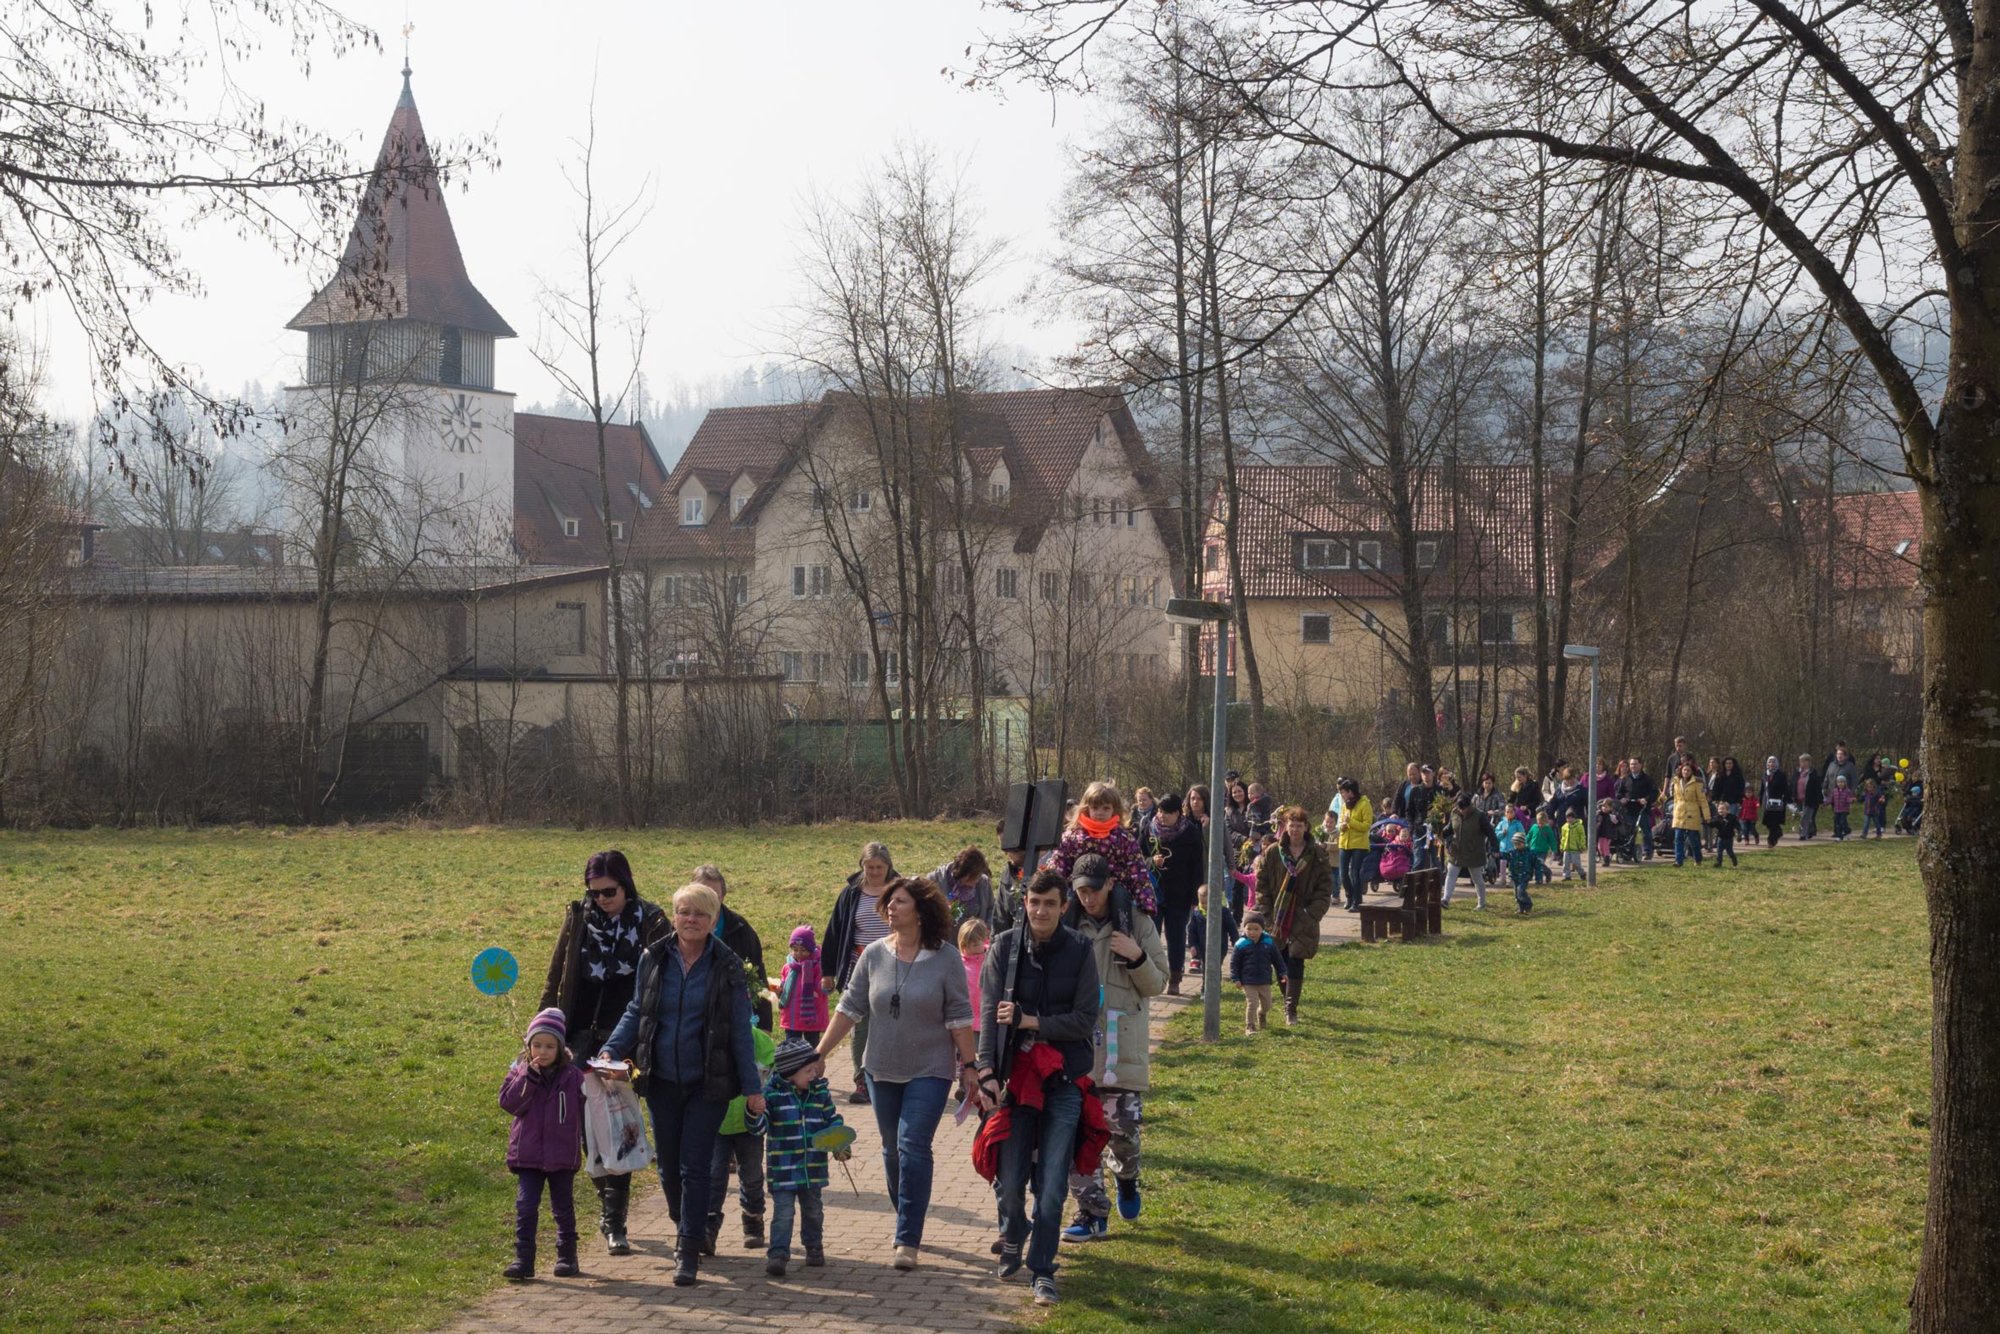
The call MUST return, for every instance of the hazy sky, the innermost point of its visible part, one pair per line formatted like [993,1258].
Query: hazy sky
[732,110]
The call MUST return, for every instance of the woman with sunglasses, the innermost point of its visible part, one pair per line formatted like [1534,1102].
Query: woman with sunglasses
[909,989]
[591,975]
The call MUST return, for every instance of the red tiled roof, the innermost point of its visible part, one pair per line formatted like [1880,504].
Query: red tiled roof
[1880,536]
[555,478]
[1482,526]
[402,259]
[1041,434]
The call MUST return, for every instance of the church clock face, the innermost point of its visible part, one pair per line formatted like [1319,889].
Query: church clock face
[460,421]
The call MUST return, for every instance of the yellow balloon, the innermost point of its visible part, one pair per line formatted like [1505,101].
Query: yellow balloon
[1903,763]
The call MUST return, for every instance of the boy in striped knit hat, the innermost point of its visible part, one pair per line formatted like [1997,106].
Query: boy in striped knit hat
[800,1109]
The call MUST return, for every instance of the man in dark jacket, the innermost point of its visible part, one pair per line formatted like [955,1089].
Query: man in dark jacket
[1807,792]
[1039,989]
[1635,793]
[742,940]
[1173,848]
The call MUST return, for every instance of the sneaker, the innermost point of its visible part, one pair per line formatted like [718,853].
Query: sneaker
[1010,1263]
[775,1268]
[1087,1228]
[1128,1199]
[518,1272]
[566,1268]
[1045,1291]
[906,1257]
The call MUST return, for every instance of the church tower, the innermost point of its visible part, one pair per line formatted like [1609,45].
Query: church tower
[400,359]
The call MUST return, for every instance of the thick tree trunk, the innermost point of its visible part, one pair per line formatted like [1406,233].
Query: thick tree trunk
[1958,1278]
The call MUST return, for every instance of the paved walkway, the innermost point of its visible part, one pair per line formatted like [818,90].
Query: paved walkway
[857,1290]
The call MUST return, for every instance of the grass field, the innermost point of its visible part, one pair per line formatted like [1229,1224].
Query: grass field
[247,1082]
[249,1085]
[1686,1100]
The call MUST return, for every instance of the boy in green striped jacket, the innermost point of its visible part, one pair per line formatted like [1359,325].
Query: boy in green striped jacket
[800,1110]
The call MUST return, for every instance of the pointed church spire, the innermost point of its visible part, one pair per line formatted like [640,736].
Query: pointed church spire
[402,259]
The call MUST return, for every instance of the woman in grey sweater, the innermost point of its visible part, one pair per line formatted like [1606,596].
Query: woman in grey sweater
[910,989]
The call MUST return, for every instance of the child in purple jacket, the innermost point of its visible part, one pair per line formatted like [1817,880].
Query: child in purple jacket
[543,1091]
[801,999]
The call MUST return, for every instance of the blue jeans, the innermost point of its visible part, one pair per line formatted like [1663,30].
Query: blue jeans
[1351,862]
[684,1131]
[908,1116]
[1686,841]
[812,1222]
[1869,822]
[1041,1143]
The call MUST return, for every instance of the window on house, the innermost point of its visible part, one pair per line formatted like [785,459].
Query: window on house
[893,676]
[1496,627]
[645,501]
[737,503]
[1211,557]
[1367,555]
[1097,511]
[571,528]
[1079,509]
[1316,628]
[1051,584]
[571,627]
[670,590]
[1006,582]
[819,498]
[997,492]
[1079,586]
[694,511]
[1131,516]
[1427,555]
[951,580]
[617,530]
[862,500]
[1370,624]
[798,581]
[857,669]
[738,588]
[1045,668]
[1153,591]
[816,666]
[1437,628]
[1321,554]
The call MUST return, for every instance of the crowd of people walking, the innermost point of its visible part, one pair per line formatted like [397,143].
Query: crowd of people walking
[1023,992]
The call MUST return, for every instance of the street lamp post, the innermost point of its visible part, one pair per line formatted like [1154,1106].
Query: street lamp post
[1589,654]
[1197,612]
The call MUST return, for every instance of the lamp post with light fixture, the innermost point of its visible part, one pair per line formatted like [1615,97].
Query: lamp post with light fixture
[1589,654]
[1199,612]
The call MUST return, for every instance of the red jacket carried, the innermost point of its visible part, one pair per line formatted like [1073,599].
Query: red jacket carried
[1024,1088]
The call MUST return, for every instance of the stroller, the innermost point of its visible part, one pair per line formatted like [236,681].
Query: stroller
[1621,841]
[1911,819]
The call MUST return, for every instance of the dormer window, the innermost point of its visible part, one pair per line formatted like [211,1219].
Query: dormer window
[737,502]
[997,493]
[1903,547]
[570,527]
[694,511]
[1427,555]
[1367,555]
[617,531]
[1323,553]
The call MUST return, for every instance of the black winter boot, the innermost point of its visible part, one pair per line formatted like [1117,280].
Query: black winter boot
[614,1198]
[753,1232]
[686,1263]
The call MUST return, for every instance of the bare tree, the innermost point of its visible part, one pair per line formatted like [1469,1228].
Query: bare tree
[1834,145]
[581,322]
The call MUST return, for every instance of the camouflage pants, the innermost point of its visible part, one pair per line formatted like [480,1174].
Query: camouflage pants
[1122,1114]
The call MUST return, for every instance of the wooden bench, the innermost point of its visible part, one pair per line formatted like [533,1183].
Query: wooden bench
[1421,912]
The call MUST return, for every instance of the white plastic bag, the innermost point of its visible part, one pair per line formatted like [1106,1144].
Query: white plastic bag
[614,1128]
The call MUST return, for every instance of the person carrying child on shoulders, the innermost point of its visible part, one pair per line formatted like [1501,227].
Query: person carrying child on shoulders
[543,1092]
[1254,964]
[798,1107]
[1097,827]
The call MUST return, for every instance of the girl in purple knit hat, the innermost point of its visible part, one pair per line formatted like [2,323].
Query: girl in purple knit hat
[801,999]
[543,1091]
